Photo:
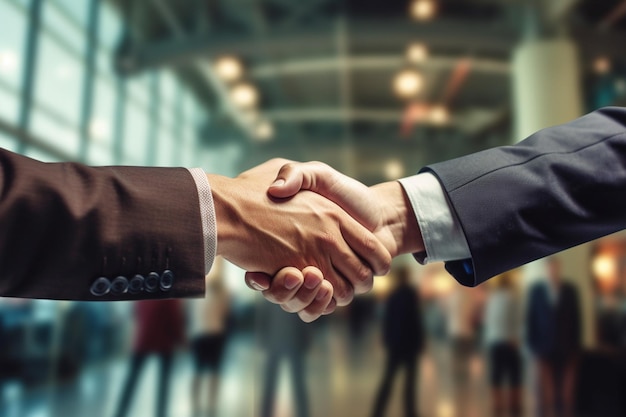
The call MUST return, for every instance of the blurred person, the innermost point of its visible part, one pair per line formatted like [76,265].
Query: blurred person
[283,337]
[403,336]
[553,331]
[501,334]
[462,310]
[568,181]
[209,329]
[159,331]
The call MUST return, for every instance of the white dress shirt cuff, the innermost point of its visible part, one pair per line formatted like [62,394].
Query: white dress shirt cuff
[207,211]
[444,239]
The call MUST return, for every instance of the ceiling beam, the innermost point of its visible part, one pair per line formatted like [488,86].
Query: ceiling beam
[363,35]
[371,63]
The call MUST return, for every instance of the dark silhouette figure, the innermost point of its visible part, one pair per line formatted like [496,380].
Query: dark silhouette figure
[285,337]
[159,332]
[554,332]
[403,338]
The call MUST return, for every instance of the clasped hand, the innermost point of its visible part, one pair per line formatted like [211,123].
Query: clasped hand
[315,237]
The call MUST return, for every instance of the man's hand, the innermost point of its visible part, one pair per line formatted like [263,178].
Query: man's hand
[262,233]
[305,293]
[383,209]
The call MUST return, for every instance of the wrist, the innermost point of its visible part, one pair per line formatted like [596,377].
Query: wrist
[227,214]
[398,219]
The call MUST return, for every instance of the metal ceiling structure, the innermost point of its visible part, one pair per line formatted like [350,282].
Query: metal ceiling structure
[324,69]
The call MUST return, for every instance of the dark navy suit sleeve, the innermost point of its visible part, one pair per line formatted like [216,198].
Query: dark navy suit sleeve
[560,187]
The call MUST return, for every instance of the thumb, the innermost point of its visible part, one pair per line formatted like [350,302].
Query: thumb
[288,181]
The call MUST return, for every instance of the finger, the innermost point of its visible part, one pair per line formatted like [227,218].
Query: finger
[258,281]
[332,306]
[367,246]
[307,293]
[284,286]
[318,306]
[343,291]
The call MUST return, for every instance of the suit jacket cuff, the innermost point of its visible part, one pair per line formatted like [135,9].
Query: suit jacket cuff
[207,211]
[443,236]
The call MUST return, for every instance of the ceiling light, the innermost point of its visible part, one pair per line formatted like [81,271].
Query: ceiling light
[423,9]
[408,83]
[417,53]
[228,68]
[602,65]
[8,62]
[264,131]
[244,96]
[394,169]
[439,115]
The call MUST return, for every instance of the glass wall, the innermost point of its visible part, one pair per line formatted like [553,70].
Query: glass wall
[148,116]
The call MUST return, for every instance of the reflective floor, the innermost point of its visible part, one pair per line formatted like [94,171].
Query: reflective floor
[342,379]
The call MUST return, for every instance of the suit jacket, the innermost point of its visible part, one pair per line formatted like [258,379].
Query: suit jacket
[561,187]
[553,328]
[73,232]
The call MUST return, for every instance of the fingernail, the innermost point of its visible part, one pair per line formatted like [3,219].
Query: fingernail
[278,183]
[257,286]
[291,282]
[322,293]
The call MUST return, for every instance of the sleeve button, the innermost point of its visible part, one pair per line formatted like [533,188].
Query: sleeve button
[100,287]
[152,282]
[167,280]
[136,284]
[119,285]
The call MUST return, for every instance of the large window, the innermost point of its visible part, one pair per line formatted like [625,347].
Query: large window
[13,24]
[58,91]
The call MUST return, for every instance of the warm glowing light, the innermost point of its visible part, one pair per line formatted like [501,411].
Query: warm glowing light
[417,53]
[382,286]
[408,83]
[439,115]
[99,129]
[8,62]
[394,169]
[445,409]
[245,96]
[604,267]
[602,65]
[264,131]
[424,9]
[228,68]
[442,284]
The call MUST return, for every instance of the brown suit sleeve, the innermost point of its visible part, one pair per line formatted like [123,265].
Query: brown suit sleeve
[72,232]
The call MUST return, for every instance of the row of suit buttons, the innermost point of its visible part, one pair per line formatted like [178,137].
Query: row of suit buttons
[121,285]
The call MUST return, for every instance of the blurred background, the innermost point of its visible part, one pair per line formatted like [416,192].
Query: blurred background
[375,88]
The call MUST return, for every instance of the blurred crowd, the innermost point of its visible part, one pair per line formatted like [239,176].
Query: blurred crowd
[501,350]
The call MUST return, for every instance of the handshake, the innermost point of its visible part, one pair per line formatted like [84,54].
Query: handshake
[311,237]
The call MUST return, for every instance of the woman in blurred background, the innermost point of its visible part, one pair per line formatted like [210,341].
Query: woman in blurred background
[502,332]
[209,325]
